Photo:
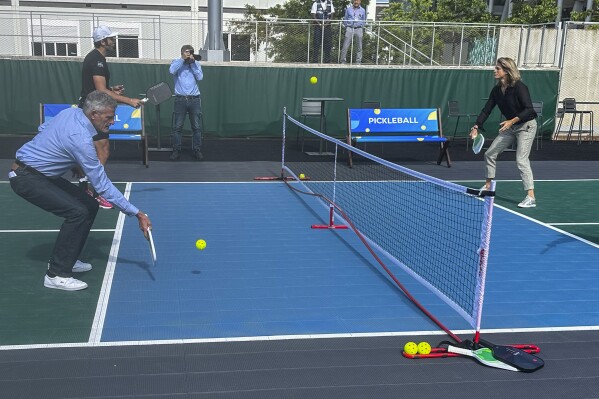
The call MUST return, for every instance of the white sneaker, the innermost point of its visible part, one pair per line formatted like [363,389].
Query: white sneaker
[527,202]
[81,267]
[64,283]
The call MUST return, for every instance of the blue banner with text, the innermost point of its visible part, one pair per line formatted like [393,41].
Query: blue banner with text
[401,120]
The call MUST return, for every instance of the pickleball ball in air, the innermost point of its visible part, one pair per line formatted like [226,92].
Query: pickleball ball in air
[201,245]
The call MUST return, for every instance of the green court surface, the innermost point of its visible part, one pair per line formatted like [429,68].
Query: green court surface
[32,315]
[569,205]
[29,313]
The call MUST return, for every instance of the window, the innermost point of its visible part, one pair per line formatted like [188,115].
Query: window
[240,47]
[54,37]
[54,49]
[37,49]
[128,46]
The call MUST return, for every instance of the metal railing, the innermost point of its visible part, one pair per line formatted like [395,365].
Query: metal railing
[282,40]
[570,47]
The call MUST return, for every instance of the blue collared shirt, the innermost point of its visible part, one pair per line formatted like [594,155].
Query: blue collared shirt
[65,142]
[354,17]
[185,77]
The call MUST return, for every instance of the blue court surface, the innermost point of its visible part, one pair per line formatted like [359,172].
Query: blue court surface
[266,273]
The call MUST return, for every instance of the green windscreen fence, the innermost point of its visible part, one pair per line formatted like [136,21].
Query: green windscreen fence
[243,101]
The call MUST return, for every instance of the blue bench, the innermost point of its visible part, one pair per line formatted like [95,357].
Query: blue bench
[397,125]
[128,126]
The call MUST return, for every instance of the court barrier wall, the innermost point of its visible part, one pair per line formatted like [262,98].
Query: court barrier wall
[246,101]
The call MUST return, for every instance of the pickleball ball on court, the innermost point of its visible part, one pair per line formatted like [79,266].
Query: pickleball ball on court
[410,348]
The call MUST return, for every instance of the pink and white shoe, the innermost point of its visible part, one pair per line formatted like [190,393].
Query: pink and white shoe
[103,203]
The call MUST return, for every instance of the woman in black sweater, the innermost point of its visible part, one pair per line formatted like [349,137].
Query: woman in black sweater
[520,124]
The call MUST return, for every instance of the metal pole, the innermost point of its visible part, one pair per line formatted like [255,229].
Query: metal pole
[520,45]
[560,7]
[433,44]
[461,46]
[160,35]
[526,46]
[378,42]
[309,41]
[542,45]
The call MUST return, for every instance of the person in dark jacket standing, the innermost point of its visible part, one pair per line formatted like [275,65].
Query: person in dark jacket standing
[322,10]
[512,97]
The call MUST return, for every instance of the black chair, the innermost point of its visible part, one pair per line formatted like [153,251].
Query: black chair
[569,107]
[371,104]
[310,109]
[538,107]
[454,112]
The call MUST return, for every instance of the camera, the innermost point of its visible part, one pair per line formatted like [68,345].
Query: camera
[196,57]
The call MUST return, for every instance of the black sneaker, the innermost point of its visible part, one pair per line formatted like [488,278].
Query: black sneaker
[198,155]
[175,155]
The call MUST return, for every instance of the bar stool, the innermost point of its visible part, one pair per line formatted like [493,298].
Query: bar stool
[453,107]
[569,107]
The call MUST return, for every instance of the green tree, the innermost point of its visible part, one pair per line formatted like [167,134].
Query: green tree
[582,15]
[533,12]
[286,42]
[438,11]
[443,42]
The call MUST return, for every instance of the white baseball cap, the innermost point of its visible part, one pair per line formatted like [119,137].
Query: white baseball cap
[102,32]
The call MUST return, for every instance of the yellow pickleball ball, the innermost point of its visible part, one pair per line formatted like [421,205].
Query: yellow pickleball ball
[313,80]
[424,348]
[302,176]
[126,126]
[201,245]
[410,348]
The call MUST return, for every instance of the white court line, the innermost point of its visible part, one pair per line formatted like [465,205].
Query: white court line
[49,231]
[96,331]
[574,224]
[98,323]
[548,226]
[520,180]
[290,337]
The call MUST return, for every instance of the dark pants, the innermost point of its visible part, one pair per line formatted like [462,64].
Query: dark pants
[323,38]
[193,107]
[65,200]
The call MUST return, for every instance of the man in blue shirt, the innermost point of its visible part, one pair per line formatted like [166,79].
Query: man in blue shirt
[186,70]
[66,143]
[353,20]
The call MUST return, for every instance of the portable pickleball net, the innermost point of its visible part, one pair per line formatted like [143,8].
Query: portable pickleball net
[436,231]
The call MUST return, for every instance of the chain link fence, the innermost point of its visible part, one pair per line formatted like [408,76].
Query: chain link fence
[571,48]
[281,41]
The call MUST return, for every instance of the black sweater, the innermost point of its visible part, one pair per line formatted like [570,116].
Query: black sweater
[515,102]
